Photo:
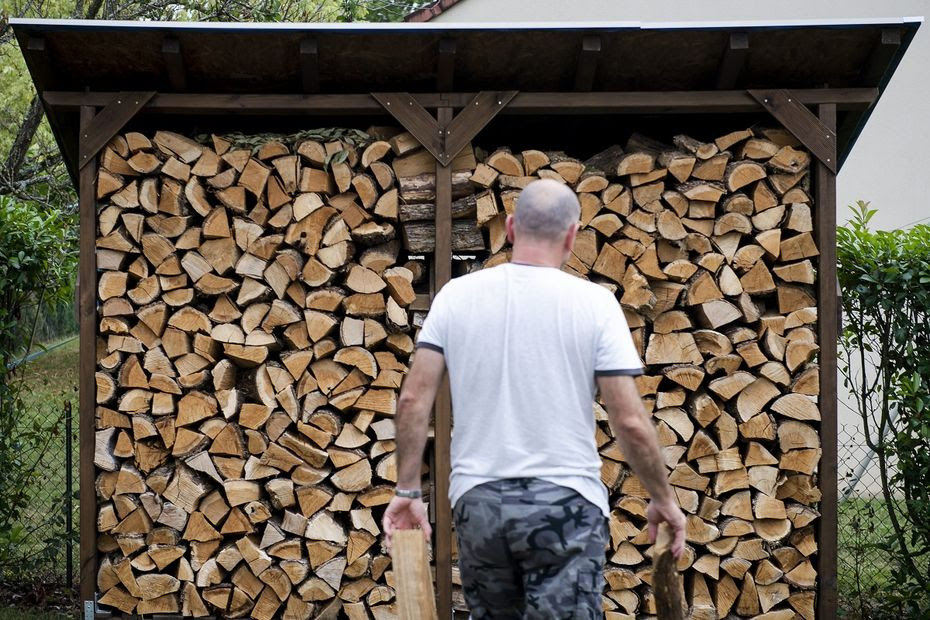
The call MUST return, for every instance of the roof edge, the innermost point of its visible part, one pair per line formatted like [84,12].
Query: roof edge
[51,24]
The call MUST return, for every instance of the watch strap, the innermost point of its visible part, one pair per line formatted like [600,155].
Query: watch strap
[408,493]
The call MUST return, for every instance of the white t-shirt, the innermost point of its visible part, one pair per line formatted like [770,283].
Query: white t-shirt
[522,345]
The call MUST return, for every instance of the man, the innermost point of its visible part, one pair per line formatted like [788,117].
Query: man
[526,345]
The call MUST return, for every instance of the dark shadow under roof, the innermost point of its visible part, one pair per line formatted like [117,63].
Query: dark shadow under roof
[361,58]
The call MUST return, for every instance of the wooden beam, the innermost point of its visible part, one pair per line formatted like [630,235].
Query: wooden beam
[106,124]
[445,71]
[785,106]
[827,333]
[733,61]
[882,55]
[174,64]
[442,273]
[310,65]
[414,118]
[37,59]
[87,314]
[587,63]
[671,102]
[471,120]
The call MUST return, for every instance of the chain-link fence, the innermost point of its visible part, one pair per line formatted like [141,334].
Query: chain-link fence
[41,555]
[864,561]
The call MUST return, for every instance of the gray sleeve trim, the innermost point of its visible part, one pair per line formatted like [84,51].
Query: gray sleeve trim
[429,345]
[629,372]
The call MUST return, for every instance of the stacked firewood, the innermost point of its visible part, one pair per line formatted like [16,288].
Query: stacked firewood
[255,322]
[253,334]
[709,249]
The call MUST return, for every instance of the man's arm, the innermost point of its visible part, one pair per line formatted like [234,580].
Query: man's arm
[640,445]
[412,421]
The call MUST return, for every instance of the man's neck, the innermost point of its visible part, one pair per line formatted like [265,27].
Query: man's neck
[536,256]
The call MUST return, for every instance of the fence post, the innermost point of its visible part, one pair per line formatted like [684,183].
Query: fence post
[69,499]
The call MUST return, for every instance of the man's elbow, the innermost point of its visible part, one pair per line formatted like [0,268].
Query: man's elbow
[409,404]
[632,425]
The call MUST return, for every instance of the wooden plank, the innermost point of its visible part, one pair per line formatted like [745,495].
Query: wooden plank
[310,65]
[733,61]
[412,576]
[827,332]
[790,111]
[672,102]
[472,119]
[174,63]
[666,581]
[38,59]
[587,63]
[445,71]
[881,57]
[442,273]
[414,118]
[108,122]
[87,312]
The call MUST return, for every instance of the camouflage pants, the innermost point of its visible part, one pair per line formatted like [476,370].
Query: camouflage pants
[530,549]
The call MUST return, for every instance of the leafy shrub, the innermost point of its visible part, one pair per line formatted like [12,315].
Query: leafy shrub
[37,261]
[885,363]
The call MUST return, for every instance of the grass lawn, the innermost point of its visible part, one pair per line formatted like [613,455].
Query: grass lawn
[863,567]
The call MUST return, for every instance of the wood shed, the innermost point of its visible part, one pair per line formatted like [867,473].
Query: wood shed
[267,210]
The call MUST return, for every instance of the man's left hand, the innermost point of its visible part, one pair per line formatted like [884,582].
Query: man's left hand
[404,514]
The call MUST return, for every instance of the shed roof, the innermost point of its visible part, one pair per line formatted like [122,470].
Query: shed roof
[221,58]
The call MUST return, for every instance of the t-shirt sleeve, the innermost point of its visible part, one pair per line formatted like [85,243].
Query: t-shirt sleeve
[433,333]
[616,353]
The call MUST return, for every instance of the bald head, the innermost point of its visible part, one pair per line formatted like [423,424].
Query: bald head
[545,211]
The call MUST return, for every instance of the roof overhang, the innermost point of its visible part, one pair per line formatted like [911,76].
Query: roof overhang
[190,58]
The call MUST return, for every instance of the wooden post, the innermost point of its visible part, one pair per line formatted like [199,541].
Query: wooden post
[827,327]
[87,277]
[442,273]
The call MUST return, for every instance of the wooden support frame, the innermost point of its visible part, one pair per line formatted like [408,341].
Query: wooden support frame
[883,53]
[733,61]
[174,63]
[442,409]
[813,133]
[310,65]
[87,311]
[445,135]
[827,334]
[476,112]
[104,125]
[587,63]
[670,102]
[445,70]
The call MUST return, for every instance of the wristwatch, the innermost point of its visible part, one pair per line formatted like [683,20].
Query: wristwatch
[409,493]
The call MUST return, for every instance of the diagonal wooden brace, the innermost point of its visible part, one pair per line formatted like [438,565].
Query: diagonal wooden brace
[108,122]
[444,140]
[804,124]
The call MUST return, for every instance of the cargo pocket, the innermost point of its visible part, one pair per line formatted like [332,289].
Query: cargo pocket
[588,595]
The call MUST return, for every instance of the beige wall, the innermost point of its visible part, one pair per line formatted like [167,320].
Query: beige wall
[886,166]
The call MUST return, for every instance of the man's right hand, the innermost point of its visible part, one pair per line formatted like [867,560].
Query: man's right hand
[667,511]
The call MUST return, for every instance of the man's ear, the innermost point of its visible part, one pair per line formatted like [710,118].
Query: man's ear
[509,226]
[570,237]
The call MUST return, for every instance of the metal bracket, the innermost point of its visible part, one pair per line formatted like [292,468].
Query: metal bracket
[444,140]
[89,609]
[108,122]
[819,139]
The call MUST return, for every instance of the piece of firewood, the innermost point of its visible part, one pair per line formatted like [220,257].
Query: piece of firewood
[414,585]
